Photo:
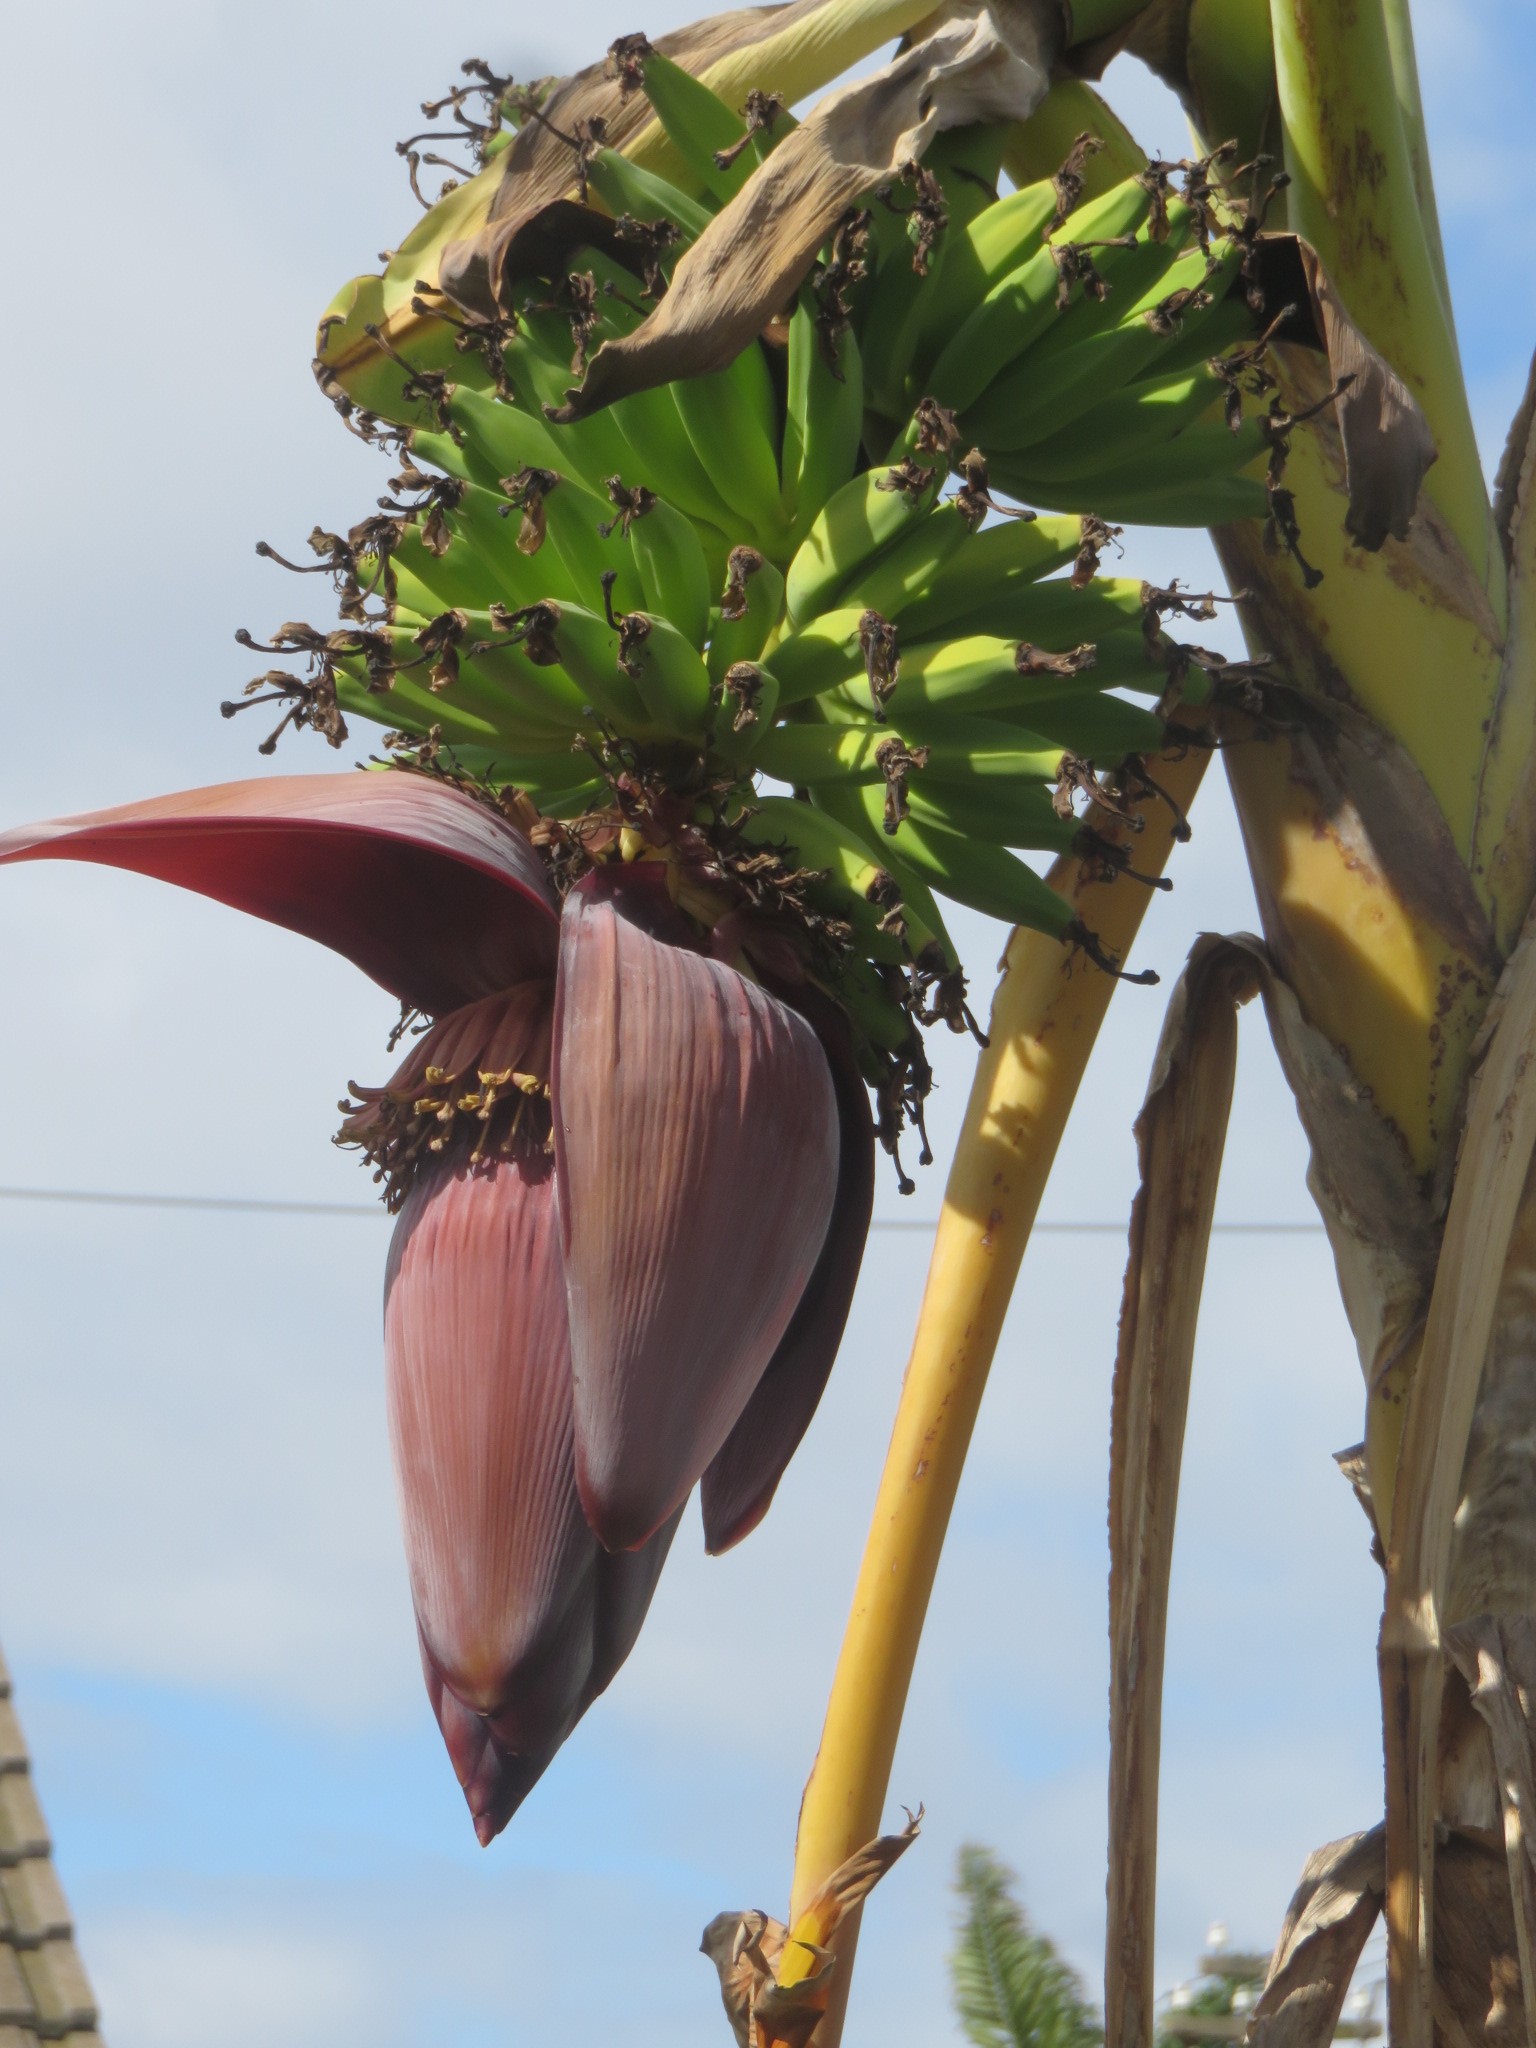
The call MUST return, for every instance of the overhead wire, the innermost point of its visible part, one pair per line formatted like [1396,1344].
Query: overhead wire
[260,1205]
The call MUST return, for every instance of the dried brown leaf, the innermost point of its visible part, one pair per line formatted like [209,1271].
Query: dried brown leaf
[776,1982]
[1388,446]
[1331,1913]
[1497,1658]
[748,263]
[1180,1136]
[1496,1152]
[538,167]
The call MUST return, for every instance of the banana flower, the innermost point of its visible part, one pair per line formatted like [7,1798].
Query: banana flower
[633,1185]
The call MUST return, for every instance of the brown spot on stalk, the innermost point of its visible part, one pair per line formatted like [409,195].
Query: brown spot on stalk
[742,564]
[897,762]
[879,643]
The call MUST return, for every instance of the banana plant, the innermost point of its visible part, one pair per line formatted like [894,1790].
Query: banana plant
[746,589]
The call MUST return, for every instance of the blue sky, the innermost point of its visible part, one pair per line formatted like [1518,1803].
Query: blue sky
[201,1594]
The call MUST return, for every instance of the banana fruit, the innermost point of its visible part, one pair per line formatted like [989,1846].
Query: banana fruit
[859,564]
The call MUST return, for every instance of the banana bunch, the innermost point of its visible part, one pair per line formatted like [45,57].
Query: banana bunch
[860,564]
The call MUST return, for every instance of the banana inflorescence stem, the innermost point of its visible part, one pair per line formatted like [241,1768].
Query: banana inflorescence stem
[1045,1019]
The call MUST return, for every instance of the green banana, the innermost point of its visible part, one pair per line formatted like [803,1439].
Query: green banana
[1022,304]
[814,754]
[669,673]
[731,420]
[749,611]
[589,650]
[1092,724]
[410,706]
[909,567]
[1127,427]
[823,417]
[1054,614]
[861,813]
[822,653]
[982,673]
[497,439]
[1226,325]
[483,524]
[983,876]
[1071,369]
[478,667]
[698,124]
[471,561]
[856,524]
[1193,480]
[853,883]
[908,305]
[558,511]
[1022,814]
[538,364]
[994,566]
[625,188]
[669,560]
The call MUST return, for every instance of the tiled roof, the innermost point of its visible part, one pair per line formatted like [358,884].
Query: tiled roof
[44,1995]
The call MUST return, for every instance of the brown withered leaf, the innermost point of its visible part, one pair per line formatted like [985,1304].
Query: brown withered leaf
[775,1982]
[750,260]
[1331,1913]
[1496,1655]
[538,167]
[1499,1136]
[1180,1135]
[1388,446]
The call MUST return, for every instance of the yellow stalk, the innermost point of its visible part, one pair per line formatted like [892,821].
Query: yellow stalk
[1354,195]
[1045,1018]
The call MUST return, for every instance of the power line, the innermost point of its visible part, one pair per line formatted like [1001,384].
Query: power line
[256,1205]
